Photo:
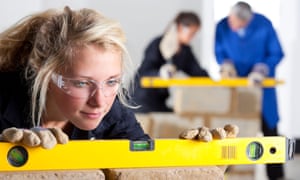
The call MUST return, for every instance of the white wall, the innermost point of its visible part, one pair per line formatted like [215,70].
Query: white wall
[142,20]
[289,95]
[13,10]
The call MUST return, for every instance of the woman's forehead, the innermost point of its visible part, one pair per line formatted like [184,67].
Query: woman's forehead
[95,61]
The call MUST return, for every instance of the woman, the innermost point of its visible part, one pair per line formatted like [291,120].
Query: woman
[66,76]
[163,56]
[65,69]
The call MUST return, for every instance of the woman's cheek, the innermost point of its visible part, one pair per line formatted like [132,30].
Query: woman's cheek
[70,105]
[110,102]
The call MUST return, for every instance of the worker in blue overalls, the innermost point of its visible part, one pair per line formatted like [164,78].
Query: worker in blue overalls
[246,45]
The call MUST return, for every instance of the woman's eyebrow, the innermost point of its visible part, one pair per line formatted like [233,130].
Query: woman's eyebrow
[114,76]
[89,77]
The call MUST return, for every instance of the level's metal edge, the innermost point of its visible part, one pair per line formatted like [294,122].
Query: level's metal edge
[290,148]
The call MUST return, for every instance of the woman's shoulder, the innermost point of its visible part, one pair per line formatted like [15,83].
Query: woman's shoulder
[12,81]
[14,100]
[154,42]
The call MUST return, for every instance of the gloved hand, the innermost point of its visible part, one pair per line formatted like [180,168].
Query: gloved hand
[167,71]
[205,134]
[228,70]
[46,137]
[258,74]
[169,44]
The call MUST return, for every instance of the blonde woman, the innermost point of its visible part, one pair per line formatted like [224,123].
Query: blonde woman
[64,75]
[65,69]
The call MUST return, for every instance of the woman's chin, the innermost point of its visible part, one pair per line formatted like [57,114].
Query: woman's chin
[87,127]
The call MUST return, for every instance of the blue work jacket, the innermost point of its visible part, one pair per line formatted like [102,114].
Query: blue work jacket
[259,44]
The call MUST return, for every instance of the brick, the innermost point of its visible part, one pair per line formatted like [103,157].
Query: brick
[248,101]
[236,172]
[239,176]
[170,125]
[145,121]
[202,100]
[247,127]
[207,173]
[53,175]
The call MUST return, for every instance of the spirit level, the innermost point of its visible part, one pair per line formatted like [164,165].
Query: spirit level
[100,154]
[155,82]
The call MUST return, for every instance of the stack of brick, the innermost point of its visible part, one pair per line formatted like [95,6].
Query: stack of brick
[53,175]
[208,173]
[211,107]
[191,173]
[206,106]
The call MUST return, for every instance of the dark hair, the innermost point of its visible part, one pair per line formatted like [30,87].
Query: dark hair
[188,18]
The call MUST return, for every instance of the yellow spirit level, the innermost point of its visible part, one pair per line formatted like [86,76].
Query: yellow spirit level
[100,154]
[156,82]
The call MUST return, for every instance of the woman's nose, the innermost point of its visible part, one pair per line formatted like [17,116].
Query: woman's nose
[97,98]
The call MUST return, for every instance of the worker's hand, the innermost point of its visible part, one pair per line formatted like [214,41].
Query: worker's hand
[228,70]
[167,71]
[169,44]
[258,74]
[45,137]
[205,134]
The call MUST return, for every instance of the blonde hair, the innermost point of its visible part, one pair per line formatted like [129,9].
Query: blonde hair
[45,42]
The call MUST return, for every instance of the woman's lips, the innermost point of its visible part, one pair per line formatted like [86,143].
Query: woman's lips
[92,115]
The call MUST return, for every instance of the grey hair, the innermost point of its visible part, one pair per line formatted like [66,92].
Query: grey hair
[242,10]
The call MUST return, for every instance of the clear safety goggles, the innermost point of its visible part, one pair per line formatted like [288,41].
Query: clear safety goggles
[85,88]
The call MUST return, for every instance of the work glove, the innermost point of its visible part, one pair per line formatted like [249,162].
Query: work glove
[228,70]
[169,44]
[45,137]
[167,71]
[168,47]
[258,74]
[205,134]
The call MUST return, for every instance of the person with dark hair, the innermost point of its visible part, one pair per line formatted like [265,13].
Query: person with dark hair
[164,56]
[246,45]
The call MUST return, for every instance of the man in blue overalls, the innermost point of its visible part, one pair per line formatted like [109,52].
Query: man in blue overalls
[246,45]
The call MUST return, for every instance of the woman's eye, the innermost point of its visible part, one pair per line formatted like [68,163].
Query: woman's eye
[80,84]
[112,82]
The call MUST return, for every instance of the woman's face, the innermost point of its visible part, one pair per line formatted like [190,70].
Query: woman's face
[90,63]
[186,33]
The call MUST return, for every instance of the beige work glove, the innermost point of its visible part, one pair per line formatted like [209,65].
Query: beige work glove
[45,137]
[206,135]
[169,44]
[167,71]
[255,79]
[228,70]
[258,74]
[168,47]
